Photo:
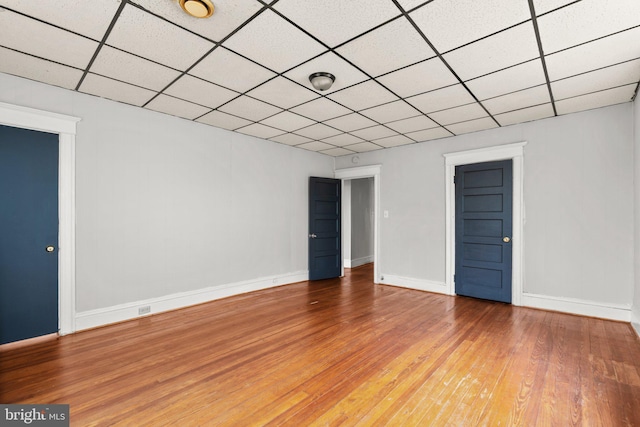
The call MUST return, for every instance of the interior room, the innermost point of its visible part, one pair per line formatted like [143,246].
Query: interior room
[184,136]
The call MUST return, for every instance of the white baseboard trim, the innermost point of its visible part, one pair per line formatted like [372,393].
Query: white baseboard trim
[360,261]
[411,283]
[576,306]
[635,323]
[347,263]
[104,316]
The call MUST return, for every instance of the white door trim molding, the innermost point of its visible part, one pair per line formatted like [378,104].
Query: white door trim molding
[65,127]
[500,152]
[372,171]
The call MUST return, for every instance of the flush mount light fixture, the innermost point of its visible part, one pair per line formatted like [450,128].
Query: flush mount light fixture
[197,8]
[322,81]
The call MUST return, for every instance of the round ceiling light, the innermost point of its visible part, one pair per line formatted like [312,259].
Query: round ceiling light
[322,81]
[197,8]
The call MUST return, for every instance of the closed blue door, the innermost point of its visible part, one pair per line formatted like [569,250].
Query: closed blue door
[325,254]
[29,239]
[484,222]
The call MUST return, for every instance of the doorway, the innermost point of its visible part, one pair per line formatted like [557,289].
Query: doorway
[357,223]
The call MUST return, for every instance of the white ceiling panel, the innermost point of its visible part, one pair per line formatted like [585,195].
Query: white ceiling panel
[413,124]
[429,134]
[176,107]
[204,93]
[472,126]
[321,109]
[394,141]
[586,20]
[363,147]
[342,140]
[597,54]
[19,32]
[408,5]
[441,99]
[326,19]
[423,77]
[318,131]
[379,51]
[494,53]
[525,115]
[337,152]
[90,19]
[223,120]
[12,62]
[274,43]
[316,146]
[594,81]
[350,122]
[345,73]
[596,100]
[363,95]
[393,111]
[288,121]
[115,90]
[450,24]
[459,114]
[544,6]
[291,139]
[374,132]
[512,79]
[282,93]
[260,130]
[249,108]
[517,100]
[227,16]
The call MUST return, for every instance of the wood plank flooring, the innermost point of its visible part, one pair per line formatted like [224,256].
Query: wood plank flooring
[338,352]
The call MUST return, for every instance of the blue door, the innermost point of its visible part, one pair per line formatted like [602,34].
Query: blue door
[29,239]
[484,222]
[325,255]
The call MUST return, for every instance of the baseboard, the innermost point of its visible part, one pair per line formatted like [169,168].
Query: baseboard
[576,306]
[360,261]
[104,316]
[411,283]
[635,323]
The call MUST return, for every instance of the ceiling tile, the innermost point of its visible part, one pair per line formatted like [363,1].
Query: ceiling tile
[605,78]
[19,32]
[227,16]
[345,73]
[419,78]
[394,141]
[249,108]
[429,134]
[317,131]
[499,51]
[459,114]
[273,42]
[223,120]
[337,152]
[315,146]
[282,93]
[326,19]
[230,70]
[413,124]
[176,107]
[391,112]
[132,69]
[525,115]
[290,139]
[90,19]
[342,140]
[259,130]
[512,79]
[288,121]
[596,100]
[407,5]
[363,147]
[321,109]
[450,24]
[143,34]
[374,132]
[115,90]
[441,99]
[379,51]
[201,92]
[350,122]
[544,6]
[363,95]
[517,100]
[586,20]
[472,126]
[12,62]
[597,54]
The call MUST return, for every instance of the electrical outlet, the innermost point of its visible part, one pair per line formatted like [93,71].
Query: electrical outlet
[144,310]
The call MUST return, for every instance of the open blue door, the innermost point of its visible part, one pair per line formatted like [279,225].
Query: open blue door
[325,254]
[29,234]
[484,222]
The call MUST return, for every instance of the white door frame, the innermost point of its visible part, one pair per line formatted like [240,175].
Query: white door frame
[65,127]
[514,152]
[372,171]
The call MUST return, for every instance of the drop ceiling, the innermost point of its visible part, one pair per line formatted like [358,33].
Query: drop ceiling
[406,71]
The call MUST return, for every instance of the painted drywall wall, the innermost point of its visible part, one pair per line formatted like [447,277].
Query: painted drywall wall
[361,221]
[635,313]
[578,194]
[167,206]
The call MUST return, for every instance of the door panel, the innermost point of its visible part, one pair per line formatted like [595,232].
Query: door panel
[325,255]
[484,194]
[28,223]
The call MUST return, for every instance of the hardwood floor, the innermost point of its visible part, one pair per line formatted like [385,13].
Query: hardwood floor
[338,352]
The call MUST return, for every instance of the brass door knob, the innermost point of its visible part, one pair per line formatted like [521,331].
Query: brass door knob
[506,239]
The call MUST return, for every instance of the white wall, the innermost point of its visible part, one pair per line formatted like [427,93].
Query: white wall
[167,206]
[635,316]
[361,221]
[578,193]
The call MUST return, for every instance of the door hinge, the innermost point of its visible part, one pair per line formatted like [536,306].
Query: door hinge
[454,278]
[454,179]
